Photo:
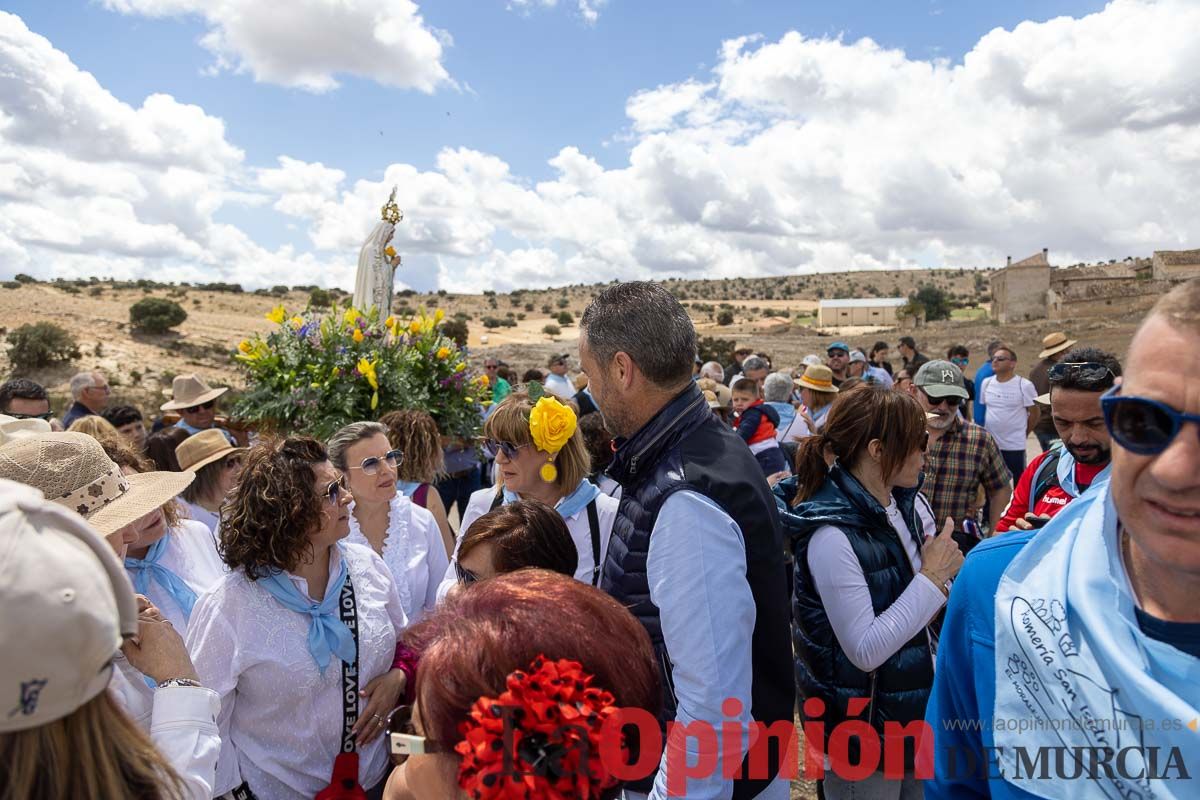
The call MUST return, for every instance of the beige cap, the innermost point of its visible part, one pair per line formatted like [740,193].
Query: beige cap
[67,604]
[14,428]
[711,397]
[203,448]
[188,391]
[817,377]
[73,470]
[1055,343]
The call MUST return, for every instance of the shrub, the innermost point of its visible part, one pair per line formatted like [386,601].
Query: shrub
[456,329]
[279,291]
[320,298]
[725,318]
[551,330]
[96,291]
[566,318]
[156,314]
[12,284]
[21,277]
[563,302]
[40,344]
[492,322]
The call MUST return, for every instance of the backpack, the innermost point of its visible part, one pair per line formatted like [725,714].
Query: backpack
[1046,477]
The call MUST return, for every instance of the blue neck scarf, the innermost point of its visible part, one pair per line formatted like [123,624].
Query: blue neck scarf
[327,635]
[141,570]
[570,505]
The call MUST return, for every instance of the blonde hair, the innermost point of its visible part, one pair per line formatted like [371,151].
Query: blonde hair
[415,434]
[510,423]
[93,425]
[95,751]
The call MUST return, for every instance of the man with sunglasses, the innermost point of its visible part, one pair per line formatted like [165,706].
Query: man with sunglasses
[962,458]
[1012,408]
[196,403]
[1061,474]
[1090,627]
[21,398]
[500,387]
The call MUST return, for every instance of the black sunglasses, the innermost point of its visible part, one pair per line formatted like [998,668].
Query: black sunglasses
[954,401]
[1141,425]
[205,406]
[370,466]
[45,416]
[333,492]
[465,576]
[1088,373]
[509,449]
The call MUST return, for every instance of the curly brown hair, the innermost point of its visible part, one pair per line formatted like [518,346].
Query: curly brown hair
[267,520]
[414,433]
[126,457]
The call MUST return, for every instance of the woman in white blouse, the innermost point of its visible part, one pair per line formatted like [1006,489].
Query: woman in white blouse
[588,512]
[270,639]
[216,463]
[870,575]
[382,518]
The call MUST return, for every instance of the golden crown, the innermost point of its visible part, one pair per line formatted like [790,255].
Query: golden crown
[390,211]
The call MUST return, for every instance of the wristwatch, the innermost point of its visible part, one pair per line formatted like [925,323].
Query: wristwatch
[173,682]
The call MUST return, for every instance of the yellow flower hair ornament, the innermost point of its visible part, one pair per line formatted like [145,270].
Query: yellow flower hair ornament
[551,426]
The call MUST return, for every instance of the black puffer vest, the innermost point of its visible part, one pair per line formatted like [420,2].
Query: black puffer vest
[898,689]
[686,447]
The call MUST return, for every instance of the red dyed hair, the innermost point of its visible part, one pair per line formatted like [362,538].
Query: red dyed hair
[475,638]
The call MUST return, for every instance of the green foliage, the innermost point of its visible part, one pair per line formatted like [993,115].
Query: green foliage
[40,344]
[725,318]
[710,348]
[563,302]
[233,288]
[21,277]
[934,300]
[566,318]
[279,291]
[551,330]
[456,329]
[319,298]
[156,314]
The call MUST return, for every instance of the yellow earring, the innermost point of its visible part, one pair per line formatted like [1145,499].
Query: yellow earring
[549,472]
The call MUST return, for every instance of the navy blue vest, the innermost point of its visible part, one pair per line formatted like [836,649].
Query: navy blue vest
[685,447]
[899,688]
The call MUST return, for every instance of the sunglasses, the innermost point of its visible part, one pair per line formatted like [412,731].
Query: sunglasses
[205,406]
[1086,372]
[465,576]
[954,401]
[403,736]
[959,361]
[333,492]
[370,466]
[45,416]
[510,450]
[1140,425]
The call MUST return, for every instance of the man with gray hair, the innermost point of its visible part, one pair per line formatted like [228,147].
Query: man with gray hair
[696,552]
[754,368]
[90,392]
[777,393]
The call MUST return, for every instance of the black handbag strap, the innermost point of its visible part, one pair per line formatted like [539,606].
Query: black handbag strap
[348,611]
[497,501]
[594,525]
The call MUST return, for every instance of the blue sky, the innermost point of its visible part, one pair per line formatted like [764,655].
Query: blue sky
[526,83]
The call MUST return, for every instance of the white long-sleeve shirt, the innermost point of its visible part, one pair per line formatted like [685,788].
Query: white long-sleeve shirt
[414,552]
[869,640]
[281,719]
[181,721]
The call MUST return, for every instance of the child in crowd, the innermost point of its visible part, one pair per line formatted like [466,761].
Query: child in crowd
[755,423]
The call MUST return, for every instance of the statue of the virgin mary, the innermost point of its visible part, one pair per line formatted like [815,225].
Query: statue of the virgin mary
[377,263]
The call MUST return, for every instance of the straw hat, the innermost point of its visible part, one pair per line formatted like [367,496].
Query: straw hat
[188,391]
[73,470]
[68,605]
[711,397]
[14,428]
[203,448]
[817,377]
[1055,343]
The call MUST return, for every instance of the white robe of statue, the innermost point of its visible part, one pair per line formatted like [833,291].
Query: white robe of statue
[373,283]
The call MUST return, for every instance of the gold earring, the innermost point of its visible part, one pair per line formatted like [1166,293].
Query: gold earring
[549,472]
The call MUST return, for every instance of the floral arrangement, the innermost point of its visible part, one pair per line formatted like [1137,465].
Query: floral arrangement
[317,371]
[551,426]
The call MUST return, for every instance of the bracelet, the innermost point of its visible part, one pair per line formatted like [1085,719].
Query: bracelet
[170,683]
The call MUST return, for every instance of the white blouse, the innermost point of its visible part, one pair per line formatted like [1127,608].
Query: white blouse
[581,533]
[414,552]
[190,554]
[199,513]
[281,719]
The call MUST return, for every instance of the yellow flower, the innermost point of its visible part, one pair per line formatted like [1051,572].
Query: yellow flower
[390,252]
[459,367]
[414,327]
[443,352]
[367,368]
[551,424]
[389,323]
[249,352]
[351,316]
[336,372]
[315,384]
[277,315]
[439,315]
[245,347]
[357,336]
[297,322]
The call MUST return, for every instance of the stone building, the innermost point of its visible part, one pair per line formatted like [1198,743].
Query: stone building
[864,311]
[1176,265]
[1019,290]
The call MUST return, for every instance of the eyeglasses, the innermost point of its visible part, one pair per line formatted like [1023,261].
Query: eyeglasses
[1088,373]
[954,401]
[333,492]
[959,361]
[510,450]
[45,416]
[205,406]
[1140,425]
[465,576]
[370,466]
[403,737]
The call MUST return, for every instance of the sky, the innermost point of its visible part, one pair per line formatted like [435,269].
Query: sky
[547,142]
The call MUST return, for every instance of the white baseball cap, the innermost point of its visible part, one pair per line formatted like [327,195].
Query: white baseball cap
[67,605]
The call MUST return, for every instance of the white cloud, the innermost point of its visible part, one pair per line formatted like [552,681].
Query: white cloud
[589,10]
[307,43]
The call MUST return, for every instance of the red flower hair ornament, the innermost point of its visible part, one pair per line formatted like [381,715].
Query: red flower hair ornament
[540,738]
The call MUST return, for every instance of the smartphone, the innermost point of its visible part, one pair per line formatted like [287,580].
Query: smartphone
[1035,521]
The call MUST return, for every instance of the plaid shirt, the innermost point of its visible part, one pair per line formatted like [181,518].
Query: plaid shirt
[965,458]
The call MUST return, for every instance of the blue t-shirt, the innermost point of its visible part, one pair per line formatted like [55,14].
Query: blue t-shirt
[1184,636]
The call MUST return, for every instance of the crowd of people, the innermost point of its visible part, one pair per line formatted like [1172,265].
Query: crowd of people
[659,564]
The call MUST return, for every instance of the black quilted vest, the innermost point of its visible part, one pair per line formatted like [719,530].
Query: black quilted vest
[899,688]
[685,447]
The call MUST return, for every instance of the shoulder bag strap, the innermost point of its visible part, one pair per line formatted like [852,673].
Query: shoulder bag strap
[497,501]
[594,525]
[348,611]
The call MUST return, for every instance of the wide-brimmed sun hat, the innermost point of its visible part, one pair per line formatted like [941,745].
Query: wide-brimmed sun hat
[1055,343]
[711,397]
[190,390]
[73,470]
[16,428]
[819,378]
[203,448]
[67,606]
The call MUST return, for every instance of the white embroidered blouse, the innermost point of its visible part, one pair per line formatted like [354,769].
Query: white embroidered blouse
[413,550]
